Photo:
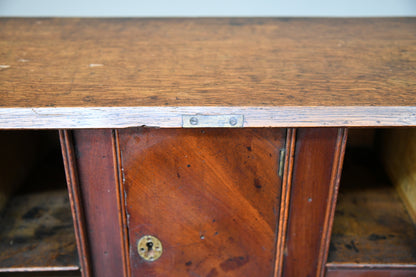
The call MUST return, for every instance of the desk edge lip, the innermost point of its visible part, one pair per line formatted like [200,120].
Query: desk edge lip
[171,117]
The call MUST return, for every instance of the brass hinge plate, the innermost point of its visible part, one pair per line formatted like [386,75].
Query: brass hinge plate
[213,121]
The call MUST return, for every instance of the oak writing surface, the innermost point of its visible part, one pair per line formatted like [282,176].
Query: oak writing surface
[207,62]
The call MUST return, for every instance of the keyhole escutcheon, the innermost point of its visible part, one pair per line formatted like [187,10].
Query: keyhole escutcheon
[149,248]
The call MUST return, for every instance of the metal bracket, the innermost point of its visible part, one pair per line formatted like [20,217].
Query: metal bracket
[213,121]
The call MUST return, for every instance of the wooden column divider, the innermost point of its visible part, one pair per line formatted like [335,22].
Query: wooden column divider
[74,193]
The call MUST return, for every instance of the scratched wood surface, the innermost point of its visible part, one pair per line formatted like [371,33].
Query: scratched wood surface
[211,196]
[207,62]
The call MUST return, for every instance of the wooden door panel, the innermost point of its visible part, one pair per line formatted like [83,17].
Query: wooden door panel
[211,196]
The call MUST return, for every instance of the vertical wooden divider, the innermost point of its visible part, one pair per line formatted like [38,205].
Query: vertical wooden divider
[74,193]
[98,200]
[285,200]
[316,172]
[122,208]
[332,199]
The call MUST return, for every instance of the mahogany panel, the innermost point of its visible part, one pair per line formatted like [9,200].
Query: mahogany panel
[98,180]
[211,196]
[316,170]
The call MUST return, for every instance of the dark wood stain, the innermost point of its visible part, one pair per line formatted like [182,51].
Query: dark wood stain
[233,263]
[213,273]
[257,183]
[376,237]
[34,212]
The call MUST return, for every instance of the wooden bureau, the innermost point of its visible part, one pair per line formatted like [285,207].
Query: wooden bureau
[208,147]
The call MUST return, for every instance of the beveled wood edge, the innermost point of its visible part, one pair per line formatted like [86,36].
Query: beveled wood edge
[285,200]
[74,193]
[118,169]
[171,117]
[39,269]
[349,266]
[332,199]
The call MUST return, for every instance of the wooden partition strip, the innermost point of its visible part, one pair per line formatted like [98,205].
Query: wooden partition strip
[284,202]
[371,271]
[96,159]
[74,193]
[332,199]
[313,183]
[122,207]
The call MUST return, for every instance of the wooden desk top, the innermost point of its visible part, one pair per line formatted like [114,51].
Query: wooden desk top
[83,73]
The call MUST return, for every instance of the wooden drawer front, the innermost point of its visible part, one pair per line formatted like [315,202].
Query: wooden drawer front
[211,196]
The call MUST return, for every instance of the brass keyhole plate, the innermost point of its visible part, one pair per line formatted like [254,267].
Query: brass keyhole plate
[149,248]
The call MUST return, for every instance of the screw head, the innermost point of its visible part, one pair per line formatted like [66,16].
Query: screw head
[193,120]
[233,121]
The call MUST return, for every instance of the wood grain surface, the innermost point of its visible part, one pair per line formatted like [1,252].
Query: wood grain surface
[212,197]
[208,62]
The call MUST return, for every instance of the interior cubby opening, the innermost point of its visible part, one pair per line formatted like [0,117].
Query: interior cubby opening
[37,233]
[374,223]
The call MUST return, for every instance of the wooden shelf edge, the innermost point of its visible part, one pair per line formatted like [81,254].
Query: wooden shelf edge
[363,266]
[40,269]
[171,117]
[352,270]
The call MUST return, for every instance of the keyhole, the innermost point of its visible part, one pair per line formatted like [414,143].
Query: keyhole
[149,246]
